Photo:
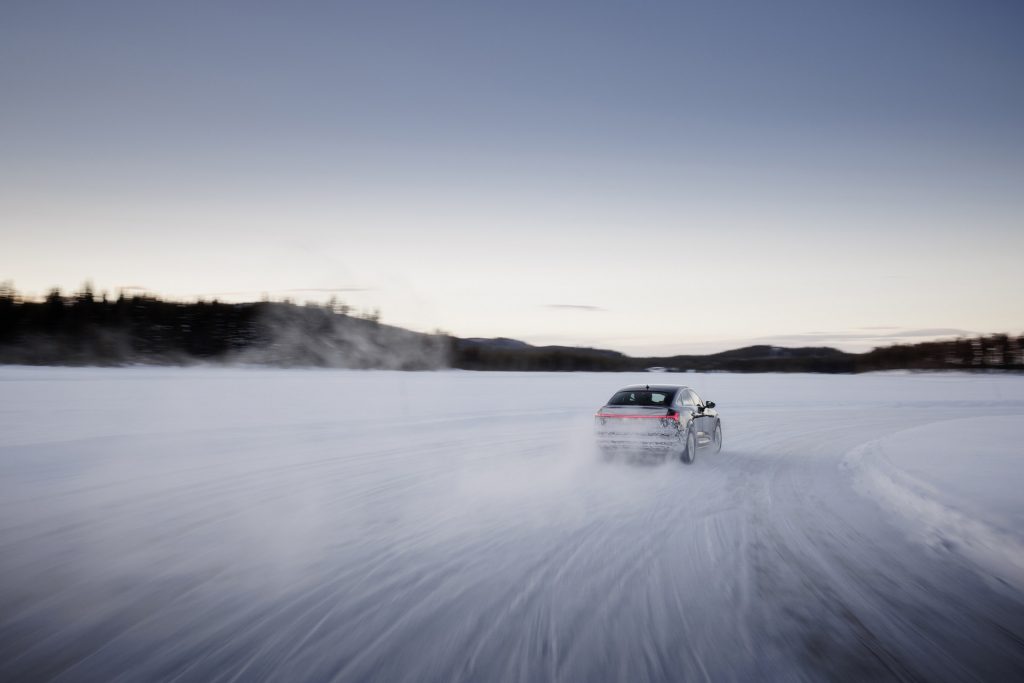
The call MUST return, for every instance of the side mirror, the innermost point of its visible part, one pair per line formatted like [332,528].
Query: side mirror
[709,404]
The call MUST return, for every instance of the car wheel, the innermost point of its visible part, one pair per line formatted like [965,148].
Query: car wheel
[716,439]
[689,449]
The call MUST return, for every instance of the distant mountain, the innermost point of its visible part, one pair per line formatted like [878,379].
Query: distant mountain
[758,352]
[497,343]
[511,354]
[764,351]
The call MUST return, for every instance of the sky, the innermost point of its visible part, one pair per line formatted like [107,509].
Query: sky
[644,176]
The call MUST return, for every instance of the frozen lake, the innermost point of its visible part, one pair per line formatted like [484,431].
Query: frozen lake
[213,524]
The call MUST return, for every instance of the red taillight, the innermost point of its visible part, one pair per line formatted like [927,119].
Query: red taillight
[673,415]
[632,417]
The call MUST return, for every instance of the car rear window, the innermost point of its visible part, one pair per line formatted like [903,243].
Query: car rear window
[642,397]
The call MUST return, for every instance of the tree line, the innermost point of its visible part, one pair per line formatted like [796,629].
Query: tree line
[85,329]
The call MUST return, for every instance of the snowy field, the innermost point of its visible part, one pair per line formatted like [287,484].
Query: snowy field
[315,525]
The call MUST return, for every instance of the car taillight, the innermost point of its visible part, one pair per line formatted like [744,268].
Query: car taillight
[672,417]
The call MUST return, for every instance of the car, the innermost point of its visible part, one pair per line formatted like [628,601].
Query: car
[668,419]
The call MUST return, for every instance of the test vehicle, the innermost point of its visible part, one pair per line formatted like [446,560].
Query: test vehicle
[668,419]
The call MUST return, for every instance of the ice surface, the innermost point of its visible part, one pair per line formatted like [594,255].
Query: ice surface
[957,482]
[216,524]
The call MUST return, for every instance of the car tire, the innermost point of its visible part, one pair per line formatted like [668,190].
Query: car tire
[689,452]
[716,439]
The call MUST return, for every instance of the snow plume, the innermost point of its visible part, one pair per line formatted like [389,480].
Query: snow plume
[293,336]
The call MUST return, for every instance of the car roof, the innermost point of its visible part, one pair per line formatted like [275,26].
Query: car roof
[653,387]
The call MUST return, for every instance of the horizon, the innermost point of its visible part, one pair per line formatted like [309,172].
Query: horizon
[864,341]
[657,180]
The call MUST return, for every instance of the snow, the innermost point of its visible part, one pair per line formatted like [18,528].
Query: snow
[957,482]
[258,524]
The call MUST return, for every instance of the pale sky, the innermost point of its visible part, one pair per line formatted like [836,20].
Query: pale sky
[649,177]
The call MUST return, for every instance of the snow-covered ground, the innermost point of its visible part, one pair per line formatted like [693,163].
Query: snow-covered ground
[241,524]
[957,483]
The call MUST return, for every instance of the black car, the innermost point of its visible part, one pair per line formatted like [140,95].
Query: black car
[663,418]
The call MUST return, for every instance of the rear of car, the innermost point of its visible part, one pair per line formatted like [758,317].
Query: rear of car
[640,419]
